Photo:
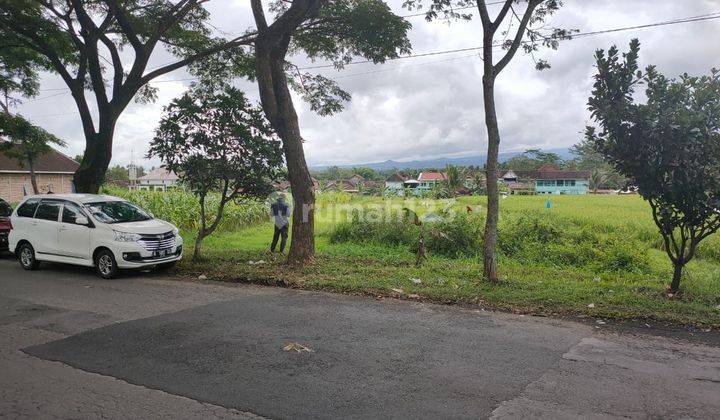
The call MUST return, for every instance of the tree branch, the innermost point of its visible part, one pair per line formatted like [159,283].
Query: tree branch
[259,15]
[246,39]
[532,5]
[127,27]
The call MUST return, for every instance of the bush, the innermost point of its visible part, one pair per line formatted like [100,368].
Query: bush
[516,233]
[538,238]
[182,209]
[460,237]
[392,230]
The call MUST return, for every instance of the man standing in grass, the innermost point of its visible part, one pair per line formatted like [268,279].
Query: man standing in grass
[280,212]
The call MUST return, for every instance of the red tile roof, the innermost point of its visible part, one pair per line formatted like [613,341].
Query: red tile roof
[432,176]
[52,162]
[396,177]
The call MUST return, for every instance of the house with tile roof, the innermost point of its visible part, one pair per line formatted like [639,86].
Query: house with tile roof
[395,182]
[428,180]
[551,180]
[53,172]
[158,179]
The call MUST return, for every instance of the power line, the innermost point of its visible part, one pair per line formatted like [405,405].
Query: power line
[345,76]
[710,16]
[49,96]
[456,8]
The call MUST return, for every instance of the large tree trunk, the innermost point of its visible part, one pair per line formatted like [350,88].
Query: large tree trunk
[677,275]
[490,271]
[280,110]
[197,252]
[33,179]
[98,152]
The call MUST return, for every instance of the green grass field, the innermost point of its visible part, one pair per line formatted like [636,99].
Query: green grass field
[594,255]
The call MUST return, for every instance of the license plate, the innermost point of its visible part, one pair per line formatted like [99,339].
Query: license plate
[162,252]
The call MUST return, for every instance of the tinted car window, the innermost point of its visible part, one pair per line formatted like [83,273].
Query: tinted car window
[117,212]
[28,208]
[5,209]
[71,212]
[48,210]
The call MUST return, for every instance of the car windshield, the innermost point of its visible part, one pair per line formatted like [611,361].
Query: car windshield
[117,212]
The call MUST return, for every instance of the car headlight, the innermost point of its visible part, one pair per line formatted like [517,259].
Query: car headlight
[126,237]
[176,231]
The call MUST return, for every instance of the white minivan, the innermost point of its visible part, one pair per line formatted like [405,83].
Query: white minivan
[99,231]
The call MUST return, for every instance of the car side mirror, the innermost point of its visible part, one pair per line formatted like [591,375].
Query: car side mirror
[82,220]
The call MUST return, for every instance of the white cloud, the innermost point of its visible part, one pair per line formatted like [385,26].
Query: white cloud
[432,106]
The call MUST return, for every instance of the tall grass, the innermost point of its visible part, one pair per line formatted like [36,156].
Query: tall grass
[556,238]
[182,209]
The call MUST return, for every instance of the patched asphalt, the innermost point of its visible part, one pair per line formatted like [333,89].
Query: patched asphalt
[370,358]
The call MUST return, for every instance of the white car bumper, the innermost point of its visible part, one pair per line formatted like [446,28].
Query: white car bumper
[134,255]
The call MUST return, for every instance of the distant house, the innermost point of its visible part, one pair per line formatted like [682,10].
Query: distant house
[53,173]
[159,179]
[545,180]
[343,185]
[472,176]
[427,180]
[551,180]
[395,182]
[357,180]
[284,186]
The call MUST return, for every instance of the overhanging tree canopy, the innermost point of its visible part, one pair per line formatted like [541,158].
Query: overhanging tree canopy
[75,37]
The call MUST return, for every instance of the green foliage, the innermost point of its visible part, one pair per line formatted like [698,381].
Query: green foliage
[458,237]
[344,29]
[25,142]
[393,229]
[669,146]
[19,68]
[455,178]
[216,140]
[589,159]
[532,159]
[181,208]
[529,237]
[609,253]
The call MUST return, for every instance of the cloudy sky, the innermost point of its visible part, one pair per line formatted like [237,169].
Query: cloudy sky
[429,107]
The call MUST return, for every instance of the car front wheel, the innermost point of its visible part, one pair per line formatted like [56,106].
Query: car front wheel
[105,264]
[26,255]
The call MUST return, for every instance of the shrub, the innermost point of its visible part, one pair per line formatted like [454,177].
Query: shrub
[624,256]
[530,228]
[181,208]
[461,236]
[391,230]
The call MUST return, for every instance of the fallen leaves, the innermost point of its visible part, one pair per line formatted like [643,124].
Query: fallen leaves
[297,347]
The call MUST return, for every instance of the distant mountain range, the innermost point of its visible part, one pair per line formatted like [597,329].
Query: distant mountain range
[440,162]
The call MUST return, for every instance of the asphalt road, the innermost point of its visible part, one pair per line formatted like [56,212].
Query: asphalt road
[72,345]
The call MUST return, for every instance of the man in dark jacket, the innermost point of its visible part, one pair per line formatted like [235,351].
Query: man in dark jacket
[280,212]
